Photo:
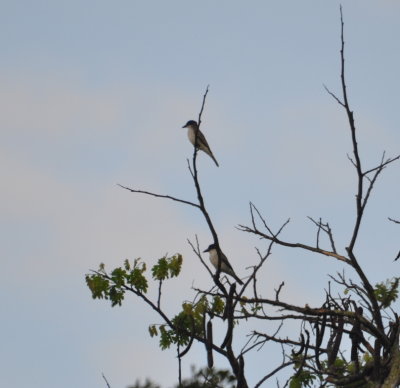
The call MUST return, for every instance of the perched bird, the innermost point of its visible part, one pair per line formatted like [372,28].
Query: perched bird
[225,266]
[202,144]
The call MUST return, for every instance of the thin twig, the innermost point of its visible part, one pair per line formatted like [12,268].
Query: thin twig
[333,95]
[104,377]
[196,250]
[159,196]
[295,245]
[278,291]
[383,164]
[202,105]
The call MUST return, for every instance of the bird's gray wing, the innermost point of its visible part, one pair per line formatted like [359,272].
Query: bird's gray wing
[201,139]
[225,260]
[232,273]
[203,145]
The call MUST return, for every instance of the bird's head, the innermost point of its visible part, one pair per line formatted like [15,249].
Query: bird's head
[190,123]
[210,248]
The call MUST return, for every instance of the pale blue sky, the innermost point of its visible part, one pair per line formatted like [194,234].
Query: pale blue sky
[95,93]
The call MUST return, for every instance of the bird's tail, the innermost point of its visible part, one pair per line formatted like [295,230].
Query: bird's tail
[215,160]
[237,279]
[205,148]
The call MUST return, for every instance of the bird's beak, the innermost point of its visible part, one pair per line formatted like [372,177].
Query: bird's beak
[207,250]
[184,126]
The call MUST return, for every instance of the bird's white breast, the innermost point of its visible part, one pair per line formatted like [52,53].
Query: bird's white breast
[214,261]
[214,258]
[191,135]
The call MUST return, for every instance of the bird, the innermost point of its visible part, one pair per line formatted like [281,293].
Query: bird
[202,144]
[225,265]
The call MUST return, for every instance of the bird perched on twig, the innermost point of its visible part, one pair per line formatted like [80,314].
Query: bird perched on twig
[202,144]
[225,265]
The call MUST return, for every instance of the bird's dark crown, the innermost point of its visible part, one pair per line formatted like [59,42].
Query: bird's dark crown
[190,123]
[212,246]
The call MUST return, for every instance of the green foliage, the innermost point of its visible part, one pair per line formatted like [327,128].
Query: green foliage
[130,276]
[243,308]
[202,378]
[303,379]
[147,384]
[252,308]
[209,378]
[136,278]
[167,267]
[98,285]
[367,358]
[113,286]
[255,308]
[189,320]
[167,337]
[387,292]
[218,305]
[340,366]
[153,330]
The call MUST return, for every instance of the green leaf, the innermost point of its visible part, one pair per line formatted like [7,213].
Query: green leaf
[167,267]
[387,292]
[218,305]
[175,265]
[187,308]
[201,306]
[116,296]
[127,265]
[295,383]
[118,276]
[160,270]
[98,285]
[165,338]
[153,330]
[136,278]
[302,379]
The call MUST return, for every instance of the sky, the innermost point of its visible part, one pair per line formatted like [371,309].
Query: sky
[95,93]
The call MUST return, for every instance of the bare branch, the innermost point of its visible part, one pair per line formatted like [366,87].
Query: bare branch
[197,252]
[295,245]
[104,377]
[371,185]
[159,294]
[382,164]
[276,370]
[277,292]
[202,105]
[326,228]
[334,96]
[179,366]
[285,341]
[159,196]
[330,234]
